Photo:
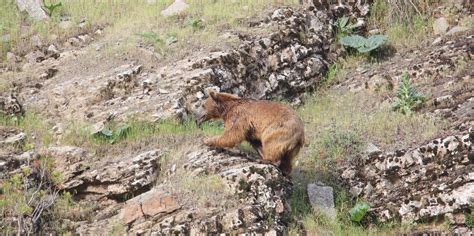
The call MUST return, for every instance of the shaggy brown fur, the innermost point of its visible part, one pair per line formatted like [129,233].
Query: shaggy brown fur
[273,129]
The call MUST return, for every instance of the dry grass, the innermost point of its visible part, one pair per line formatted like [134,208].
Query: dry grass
[405,22]
[131,22]
[340,124]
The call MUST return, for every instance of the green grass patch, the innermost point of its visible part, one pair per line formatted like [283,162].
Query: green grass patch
[338,71]
[80,134]
[36,128]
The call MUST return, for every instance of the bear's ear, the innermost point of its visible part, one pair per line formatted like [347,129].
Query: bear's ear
[213,94]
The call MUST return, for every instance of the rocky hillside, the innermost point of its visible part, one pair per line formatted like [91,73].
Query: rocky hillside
[98,138]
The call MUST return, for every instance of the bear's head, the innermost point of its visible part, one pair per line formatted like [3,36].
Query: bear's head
[215,106]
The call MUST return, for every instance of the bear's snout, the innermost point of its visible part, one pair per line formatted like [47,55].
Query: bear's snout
[201,117]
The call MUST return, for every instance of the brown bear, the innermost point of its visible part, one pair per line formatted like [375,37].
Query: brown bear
[273,129]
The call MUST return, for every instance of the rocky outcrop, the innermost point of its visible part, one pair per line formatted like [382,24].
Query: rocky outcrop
[10,106]
[284,64]
[113,179]
[210,192]
[433,180]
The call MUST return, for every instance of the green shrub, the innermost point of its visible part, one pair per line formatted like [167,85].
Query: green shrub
[51,7]
[408,98]
[196,24]
[362,44]
[344,28]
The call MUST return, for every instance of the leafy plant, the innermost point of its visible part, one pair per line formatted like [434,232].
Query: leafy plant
[113,136]
[408,98]
[51,7]
[151,37]
[172,38]
[359,211]
[362,44]
[196,24]
[470,219]
[344,27]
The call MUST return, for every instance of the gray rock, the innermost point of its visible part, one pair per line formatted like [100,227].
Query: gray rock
[121,177]
[372,150]
[444,101]
[321,198]
[440,26]
[35,57]
[34,8]
[457,29]
[437,41]
[176,7]
[53,51]
[85,38]
[11,57]
[15,140]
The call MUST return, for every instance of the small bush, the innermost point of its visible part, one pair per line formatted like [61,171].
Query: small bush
[28,197]
[51,7]
[196,24]
[344,27]
[408,98]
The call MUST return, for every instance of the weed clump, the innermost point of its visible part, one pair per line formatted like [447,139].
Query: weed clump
[408,98]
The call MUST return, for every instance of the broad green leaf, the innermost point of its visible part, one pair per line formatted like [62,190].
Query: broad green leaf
[354,41]
[362,44]
[359,211]
[106,132]
[343,22]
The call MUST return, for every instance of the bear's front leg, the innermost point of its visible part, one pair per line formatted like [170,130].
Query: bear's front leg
[222,141]
[232,136]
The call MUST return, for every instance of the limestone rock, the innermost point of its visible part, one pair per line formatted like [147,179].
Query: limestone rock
[15,140]
[440,26]
[34,8]
[105,179]
[251,196]
[456,29]
[321,198]
[418,184]
[176,7]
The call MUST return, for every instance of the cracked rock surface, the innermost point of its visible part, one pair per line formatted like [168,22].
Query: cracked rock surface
[418,184]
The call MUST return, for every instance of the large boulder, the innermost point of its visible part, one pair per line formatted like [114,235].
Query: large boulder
[34,8]
[205,191]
